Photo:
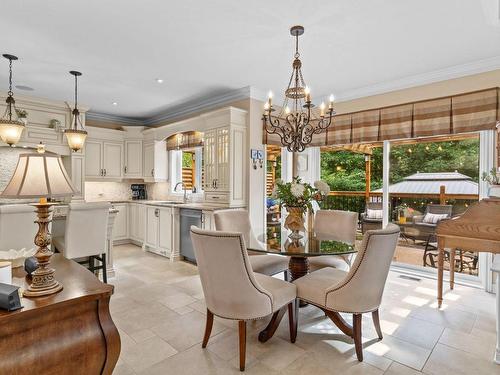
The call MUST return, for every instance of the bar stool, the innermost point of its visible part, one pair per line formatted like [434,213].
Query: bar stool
[85,235]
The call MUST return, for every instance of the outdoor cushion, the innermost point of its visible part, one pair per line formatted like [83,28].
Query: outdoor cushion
[373,214]
[434,218]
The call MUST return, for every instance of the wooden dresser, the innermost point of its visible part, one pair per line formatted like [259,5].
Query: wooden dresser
[70,332]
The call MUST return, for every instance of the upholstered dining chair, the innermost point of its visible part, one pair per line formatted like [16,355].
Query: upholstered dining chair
[85,235]
[355,292]
[17,227]
[239,221]
[338,226]
[233,291]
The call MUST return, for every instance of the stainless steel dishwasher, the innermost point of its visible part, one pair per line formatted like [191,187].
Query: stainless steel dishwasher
[188,217]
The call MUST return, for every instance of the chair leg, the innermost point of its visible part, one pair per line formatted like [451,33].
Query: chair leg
[376,322]
[242,327]
[293,319]
[285,275]
[358,343]
[208,328]
[104,271]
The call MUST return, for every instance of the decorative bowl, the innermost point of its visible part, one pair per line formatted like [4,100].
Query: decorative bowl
[16,257]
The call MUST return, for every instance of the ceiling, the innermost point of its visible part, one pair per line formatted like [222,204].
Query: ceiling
[206,48]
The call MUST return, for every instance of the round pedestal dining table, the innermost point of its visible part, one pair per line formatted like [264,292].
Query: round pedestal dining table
[299,251]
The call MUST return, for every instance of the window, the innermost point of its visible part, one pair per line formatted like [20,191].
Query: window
[186,168]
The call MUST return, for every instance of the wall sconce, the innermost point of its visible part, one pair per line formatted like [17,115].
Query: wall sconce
[257,157]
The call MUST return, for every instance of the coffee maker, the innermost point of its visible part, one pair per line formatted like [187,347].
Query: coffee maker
[139,191]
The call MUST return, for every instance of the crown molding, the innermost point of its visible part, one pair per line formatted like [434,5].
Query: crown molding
[457,71]
[197,106]
[119,120]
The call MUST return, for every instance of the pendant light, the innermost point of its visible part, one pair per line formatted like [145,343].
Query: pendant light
[76,137]
[10,129]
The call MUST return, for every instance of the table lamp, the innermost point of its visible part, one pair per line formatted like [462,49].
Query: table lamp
[40,175]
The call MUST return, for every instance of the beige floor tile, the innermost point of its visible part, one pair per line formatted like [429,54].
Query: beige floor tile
[142,317]
[148,353]
[445,360]
[142,335]
[399,369]
[185,331]
[482,346]
[400,351]
[176,301]
[194,361]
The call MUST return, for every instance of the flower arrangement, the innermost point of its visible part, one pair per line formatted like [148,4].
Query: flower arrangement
[299,194]
[297,197]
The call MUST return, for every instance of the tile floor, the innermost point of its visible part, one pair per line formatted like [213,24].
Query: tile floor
[159,310]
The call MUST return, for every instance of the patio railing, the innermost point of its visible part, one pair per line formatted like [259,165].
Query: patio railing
[356,200]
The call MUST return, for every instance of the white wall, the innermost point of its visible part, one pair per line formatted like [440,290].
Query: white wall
[256,177]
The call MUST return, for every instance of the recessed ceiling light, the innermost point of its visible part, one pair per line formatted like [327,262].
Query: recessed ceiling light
[159,80]
[114,103]
[25,88]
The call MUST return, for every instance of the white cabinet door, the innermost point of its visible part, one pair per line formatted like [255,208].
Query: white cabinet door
[93,159]
[141,222]
[132,221]
[120,228]
[151,235]
[133,159]
[165,229]
[112,160]
[222,179]
[148,160]
[209,159]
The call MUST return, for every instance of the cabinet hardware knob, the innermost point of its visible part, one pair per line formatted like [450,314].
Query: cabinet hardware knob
[125,169]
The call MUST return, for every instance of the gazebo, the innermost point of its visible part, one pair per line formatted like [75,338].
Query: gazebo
[449,183]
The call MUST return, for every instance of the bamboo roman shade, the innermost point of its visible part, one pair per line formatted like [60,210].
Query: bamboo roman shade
[185,140]
[456,114]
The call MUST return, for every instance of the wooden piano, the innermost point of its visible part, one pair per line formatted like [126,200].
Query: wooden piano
[478,229]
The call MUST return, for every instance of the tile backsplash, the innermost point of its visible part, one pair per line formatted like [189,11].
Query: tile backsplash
[102,191]
[114,191]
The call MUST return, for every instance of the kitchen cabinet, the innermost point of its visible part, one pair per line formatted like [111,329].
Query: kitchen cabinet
[224,164]
[158,230]
[133,159]
[154,161]
[120,229]
[136,221]
[93,159]
[207,220]
[103,160]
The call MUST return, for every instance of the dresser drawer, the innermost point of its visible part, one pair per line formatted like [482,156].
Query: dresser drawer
[216,197]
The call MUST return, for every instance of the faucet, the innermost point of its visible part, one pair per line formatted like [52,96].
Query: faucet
[184,199]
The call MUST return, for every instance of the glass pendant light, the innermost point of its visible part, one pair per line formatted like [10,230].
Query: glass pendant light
[10,129]
[75,136]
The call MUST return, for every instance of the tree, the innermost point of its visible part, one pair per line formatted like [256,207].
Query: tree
[345,170]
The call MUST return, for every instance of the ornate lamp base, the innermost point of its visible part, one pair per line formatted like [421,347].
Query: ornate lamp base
[43,281]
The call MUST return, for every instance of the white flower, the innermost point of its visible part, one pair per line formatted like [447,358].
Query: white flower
[297,190]
[322,186]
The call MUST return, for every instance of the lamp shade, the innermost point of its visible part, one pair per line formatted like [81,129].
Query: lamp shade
[76,138]
[39,175]
[10,131]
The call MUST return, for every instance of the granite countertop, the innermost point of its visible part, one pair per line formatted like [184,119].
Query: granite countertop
[171,203]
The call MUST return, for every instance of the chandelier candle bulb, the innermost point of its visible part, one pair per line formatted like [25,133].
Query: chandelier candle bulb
[287,110]
[266,106]
[307,91]
[332,98]
[322,109]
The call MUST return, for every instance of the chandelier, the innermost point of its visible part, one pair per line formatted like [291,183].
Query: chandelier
[76,137]
[296,122]
[10,129]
